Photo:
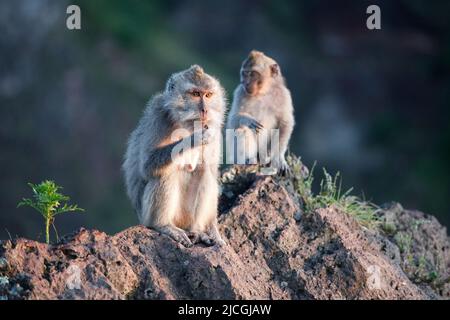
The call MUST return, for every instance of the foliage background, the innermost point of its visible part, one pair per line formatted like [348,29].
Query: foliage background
[372,104]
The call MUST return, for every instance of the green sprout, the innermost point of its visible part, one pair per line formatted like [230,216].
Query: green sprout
[404,242]
[49,203]
[330,194]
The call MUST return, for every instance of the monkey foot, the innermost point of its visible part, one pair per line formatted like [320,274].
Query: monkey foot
[220,242]
[284,169]
[201,237]
[176,234]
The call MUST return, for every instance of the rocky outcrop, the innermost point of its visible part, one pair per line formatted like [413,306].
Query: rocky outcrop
[274,251]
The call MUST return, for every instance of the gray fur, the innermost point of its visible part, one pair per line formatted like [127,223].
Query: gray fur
[164,194]
[272,108]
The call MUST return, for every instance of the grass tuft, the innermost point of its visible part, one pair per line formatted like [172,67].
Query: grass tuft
[330,194]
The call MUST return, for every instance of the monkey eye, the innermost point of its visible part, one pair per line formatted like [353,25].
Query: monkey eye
[209,95]
[195,93]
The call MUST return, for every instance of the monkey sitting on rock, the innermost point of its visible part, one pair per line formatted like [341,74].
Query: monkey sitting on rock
[262,103]
[171,163]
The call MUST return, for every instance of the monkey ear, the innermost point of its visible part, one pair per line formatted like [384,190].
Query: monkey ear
[274,70]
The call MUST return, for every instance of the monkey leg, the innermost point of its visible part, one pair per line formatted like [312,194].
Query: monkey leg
[160,205]
[215,234]
[239,147]
[207,201]
[251,147]
[204,228]
[264,148]
[246,147]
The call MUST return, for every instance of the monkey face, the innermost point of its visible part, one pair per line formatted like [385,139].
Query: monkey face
[257,73]
[201,97]
[252,81]
[193,95]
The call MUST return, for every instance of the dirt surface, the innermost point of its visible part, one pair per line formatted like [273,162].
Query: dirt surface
[274,251]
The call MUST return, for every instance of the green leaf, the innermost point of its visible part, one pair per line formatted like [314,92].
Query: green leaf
[48,201]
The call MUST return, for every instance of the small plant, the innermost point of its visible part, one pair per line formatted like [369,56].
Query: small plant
[403,241]
[415,224]
[432,276]
[388,228]
[330,194]
[49,203]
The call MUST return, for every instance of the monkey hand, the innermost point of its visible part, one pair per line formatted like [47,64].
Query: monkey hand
[252,124]
[191,160]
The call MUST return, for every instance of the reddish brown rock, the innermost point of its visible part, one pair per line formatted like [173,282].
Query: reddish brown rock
[273,251]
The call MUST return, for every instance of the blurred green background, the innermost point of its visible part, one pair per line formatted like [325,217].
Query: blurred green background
[372,104]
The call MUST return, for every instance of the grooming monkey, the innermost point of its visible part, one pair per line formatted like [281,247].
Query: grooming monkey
[172,182]
[262,102]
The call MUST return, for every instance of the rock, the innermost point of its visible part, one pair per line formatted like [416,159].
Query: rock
[4,281]
[3,264]
[274,251]
[424,248]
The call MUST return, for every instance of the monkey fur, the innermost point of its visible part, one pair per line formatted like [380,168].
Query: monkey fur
[173,183]
[262,102]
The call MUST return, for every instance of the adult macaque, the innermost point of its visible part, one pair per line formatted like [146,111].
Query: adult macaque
[173,185]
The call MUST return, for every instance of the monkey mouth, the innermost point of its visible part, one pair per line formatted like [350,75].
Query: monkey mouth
[250,90]
[202,120]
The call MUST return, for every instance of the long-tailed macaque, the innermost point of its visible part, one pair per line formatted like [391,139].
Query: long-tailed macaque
[172,182]
[261,103]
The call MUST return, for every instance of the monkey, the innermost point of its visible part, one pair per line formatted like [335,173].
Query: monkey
[262,102]
[171,164]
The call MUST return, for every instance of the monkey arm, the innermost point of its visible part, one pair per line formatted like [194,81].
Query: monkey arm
[157,159]
[238,117]
[286,126]
[233,122]
[243,119]
[160,157]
